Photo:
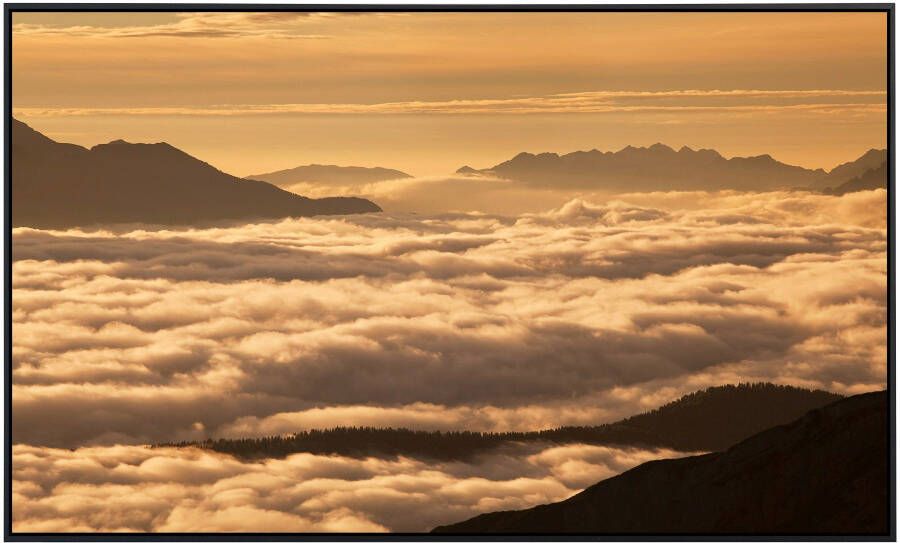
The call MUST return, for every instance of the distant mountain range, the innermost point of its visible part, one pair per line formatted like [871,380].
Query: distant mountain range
[870,160]
[711,419]
[875,178]
[329,175]
[660,167]
[57,185]
[825,473]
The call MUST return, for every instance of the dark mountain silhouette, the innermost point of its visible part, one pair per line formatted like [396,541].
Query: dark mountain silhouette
[60,185]
[329,175]
[870,160]
[823,473]
[876,178]
[711,419]
[468,170]
[658,167]
[362,442]
[715,418]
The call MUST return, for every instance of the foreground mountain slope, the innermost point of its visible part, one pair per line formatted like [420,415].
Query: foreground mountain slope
[329,175]
[711,419]
[59,185]
[823,473]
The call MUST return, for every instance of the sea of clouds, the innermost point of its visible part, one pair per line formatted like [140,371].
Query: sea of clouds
[578,315]
[133,488]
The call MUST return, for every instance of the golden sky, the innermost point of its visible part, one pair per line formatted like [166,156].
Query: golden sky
[429,92]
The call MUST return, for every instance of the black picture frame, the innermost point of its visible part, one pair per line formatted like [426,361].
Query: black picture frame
[11,8]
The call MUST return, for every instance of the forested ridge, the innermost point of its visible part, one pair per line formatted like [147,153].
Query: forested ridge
[710,419]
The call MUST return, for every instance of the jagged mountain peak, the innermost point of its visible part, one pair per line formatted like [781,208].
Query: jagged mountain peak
[657,167]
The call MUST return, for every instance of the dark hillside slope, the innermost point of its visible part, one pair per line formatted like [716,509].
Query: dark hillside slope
[823,473]
[718,417]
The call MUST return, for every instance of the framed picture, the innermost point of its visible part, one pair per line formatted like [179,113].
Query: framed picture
[440,272]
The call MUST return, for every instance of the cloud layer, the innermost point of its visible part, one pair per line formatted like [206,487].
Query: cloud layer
[187,490]
[578,315]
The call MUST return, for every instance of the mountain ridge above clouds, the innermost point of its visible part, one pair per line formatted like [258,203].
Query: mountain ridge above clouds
[328,174]
[59,185]
[826,472]
[871,179]
[708,419]
[842,173]
[660,167]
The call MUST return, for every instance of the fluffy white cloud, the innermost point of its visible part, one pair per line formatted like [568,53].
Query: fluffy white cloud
[133,488]
[578,315]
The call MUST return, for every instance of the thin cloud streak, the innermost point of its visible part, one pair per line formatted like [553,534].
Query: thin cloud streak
[278,25]
[586,102]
